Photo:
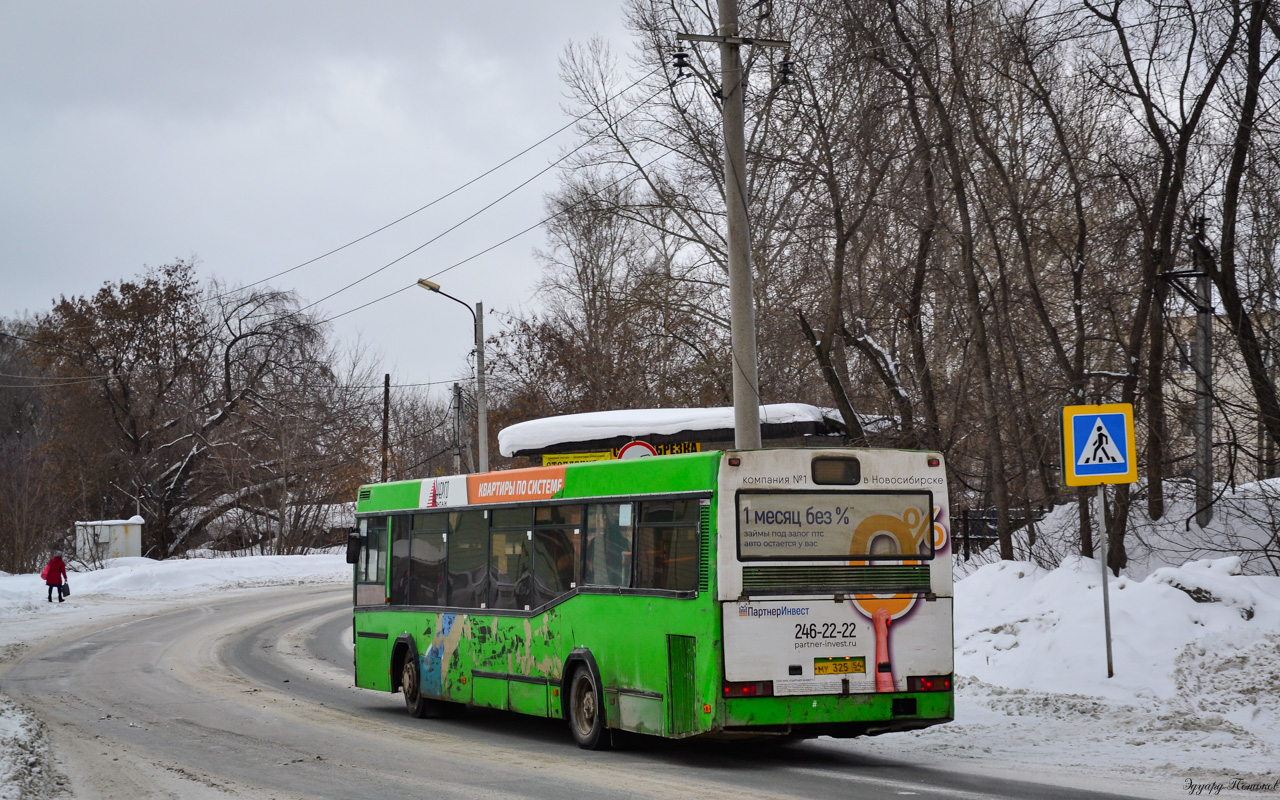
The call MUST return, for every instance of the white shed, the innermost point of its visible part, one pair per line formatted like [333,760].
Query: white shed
[101,539]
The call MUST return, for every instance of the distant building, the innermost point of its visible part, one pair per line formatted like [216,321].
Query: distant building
[99,540]
[1242,452]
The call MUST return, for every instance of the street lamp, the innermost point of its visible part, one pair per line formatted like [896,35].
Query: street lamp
[482,409]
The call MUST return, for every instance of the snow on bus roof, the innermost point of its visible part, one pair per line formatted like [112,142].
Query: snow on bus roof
[537,434]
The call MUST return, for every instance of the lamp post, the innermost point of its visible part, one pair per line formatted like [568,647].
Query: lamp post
[482,409]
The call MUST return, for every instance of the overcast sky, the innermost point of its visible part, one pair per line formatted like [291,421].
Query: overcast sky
[254,136]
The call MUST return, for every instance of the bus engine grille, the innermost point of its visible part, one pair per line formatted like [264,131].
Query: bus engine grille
[824,580]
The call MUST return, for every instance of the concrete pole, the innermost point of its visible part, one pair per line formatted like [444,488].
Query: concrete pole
[386,420]
[1204,389]
[482,405]
[742,322]
[457,429]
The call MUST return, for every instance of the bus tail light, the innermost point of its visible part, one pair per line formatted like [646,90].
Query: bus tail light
[748,688]
[929,683]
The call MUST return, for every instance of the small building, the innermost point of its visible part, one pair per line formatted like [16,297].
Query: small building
[99,540]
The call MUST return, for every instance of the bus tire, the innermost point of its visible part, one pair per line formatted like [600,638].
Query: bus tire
[586,711]
[417,705]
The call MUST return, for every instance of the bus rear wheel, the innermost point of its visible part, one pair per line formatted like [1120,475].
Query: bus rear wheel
[586,711]
[417,705]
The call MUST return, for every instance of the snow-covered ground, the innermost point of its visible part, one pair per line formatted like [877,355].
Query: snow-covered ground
[127,587]
[1193,702]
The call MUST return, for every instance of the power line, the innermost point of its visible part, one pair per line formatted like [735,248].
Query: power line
[450,193]
[402,471]
[486,207]
[567,209]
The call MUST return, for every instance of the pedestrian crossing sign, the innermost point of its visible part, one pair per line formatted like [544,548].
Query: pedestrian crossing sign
[1098,445]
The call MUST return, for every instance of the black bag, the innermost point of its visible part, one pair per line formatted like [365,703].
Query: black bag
[65,589]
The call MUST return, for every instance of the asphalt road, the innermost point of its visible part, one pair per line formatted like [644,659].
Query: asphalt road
[251,697]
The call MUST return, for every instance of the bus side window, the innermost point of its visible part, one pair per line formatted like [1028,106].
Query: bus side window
[399,549]
[427,586]
[468,559]
[510,574]
[607,557]
[372,567]
[556,560]
[667,545]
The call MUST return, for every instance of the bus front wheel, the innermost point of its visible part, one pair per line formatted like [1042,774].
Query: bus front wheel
[586,711]
[417,705]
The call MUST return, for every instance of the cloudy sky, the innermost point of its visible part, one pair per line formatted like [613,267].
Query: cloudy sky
[254,136]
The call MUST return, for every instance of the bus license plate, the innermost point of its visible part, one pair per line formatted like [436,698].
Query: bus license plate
[839,666]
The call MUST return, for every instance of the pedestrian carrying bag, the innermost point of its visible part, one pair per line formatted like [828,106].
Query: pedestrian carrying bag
[66,589]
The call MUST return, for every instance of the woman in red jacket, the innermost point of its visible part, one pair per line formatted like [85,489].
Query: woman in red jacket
[55,574]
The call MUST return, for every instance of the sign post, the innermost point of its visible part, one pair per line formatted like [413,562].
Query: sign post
[1097,449]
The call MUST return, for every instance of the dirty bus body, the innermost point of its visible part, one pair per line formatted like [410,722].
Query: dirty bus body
[800,592]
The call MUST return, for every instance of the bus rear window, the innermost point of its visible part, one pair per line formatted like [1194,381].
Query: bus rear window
[829,526]
[828,471]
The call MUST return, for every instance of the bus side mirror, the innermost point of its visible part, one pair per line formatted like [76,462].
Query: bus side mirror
[353,547]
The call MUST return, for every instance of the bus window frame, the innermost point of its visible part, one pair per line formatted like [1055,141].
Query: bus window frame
[642,523]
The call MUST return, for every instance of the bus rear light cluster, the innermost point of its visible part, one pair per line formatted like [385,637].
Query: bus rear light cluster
[748,688]
[929,683]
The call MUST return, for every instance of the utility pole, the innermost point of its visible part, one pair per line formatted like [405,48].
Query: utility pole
[482,405]
[1204,384]
[1202,363]
[742,315]
[457,429]
[386,420]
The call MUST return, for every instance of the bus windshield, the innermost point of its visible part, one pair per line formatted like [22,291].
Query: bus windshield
[816,526]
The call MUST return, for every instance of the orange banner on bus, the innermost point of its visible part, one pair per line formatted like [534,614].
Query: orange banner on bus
[538,483]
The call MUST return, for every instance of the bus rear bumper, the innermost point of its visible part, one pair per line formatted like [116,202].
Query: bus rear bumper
[838,715]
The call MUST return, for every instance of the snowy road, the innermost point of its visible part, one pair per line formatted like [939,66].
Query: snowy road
[250,696]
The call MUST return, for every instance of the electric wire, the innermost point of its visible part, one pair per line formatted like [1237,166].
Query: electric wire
[449,193]
[482,209]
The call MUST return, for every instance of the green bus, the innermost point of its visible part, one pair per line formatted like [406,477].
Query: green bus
[796,592]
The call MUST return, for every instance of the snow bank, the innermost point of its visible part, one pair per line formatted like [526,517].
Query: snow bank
[25,762]
[1018,625]
[1196,655]
[147,578]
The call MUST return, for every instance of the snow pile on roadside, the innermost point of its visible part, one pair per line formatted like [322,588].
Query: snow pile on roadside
[1196,651]
[144,577]
[26,768]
